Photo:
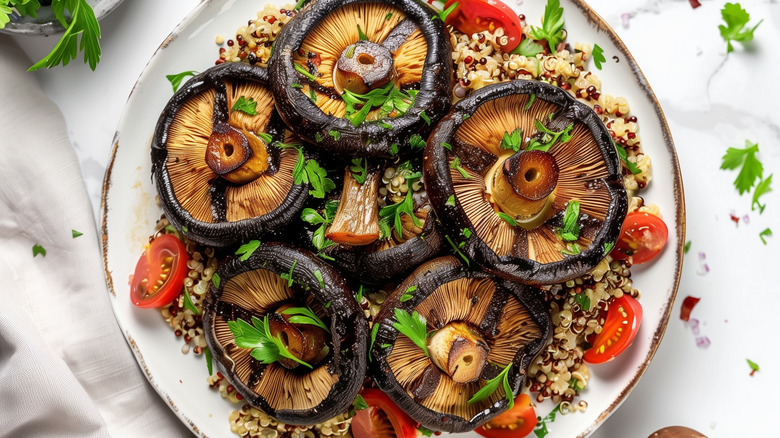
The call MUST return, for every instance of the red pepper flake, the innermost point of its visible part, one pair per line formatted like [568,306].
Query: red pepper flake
[735,218]
[688,304]
[695,3]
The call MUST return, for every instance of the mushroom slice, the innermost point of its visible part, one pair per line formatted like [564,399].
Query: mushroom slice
[219,175]
[473,327]
[287,294]
[375,72]
[532,189]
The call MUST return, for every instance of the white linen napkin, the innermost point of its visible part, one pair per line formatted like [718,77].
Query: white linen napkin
[65,368]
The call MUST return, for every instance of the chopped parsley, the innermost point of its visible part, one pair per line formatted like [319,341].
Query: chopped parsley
[413,326]
[548,138]
[456,165]
[512,140]
[502,379]
[571,229]
[265,347]
[335,134]
[736,18]
[753,366]
[246,250]
[361,35]
[320,280]
[598,56]
[359,169]
[374,331]
[215,280]
[304,315]
[177,78]
[188,304]
[389,16]
[416,142]
[317,177]
[394,211]
[528,48]
[394,149]
[630,165]
[360,403]
[442,15]
[687,247]
[552,25]
[302,70]
[389,99]
[507,218]
[450,201]
[541,430]
[209,362]
[456,248]
[246,106]
[744,159]
[289,275]
[76,234]
[425,117]
[408,294]
[764,234]
[583,300]
[530,101]
[38,249]
[763,187]
[609,245]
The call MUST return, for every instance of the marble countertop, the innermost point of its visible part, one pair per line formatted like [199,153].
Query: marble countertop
[712,101]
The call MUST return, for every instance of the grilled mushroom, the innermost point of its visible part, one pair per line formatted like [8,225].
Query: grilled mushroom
[360,77]
[219,178]
[473,326]
[274,279]
[527,182]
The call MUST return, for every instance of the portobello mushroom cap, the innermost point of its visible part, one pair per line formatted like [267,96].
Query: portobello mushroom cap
[218,181]
[254,288]
[481,325]
[326,34]
[478,187]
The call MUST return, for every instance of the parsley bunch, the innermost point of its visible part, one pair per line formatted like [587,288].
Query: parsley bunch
[552,25]
[265,347]
[751,173]
[81,22]
[388,98]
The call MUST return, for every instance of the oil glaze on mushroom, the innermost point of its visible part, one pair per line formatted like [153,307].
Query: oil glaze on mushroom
[287,390]
[333,50]
[507,165]
[475,326]
[219,178]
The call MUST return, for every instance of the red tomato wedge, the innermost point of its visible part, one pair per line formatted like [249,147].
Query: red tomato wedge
[620,329]
[643,236]
[382,418]
[517,422]
[472,16]
[159,273]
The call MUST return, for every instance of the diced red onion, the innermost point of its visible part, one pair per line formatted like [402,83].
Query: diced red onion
[695,3]
[746,219]
[703,342]
[625,17]
[694,324]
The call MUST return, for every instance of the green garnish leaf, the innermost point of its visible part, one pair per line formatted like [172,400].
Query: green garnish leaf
[246,250]
[209,361]
[76,234]
[408,294]
[442,15]
[763,187]
[394,149]
[552,25]
[304,315]
[246,106]
[413,326]
[267,138]
[416,142]
[450,201]
[390,100]
[176,79]
[512,140]
[608,247]
[457,250]
[359,296]
[571,229]
[289,275]
[300,4]
[188,304]
[447,146]
[296,86]
[541,430]
[318,137]
[318,276]
[466,232]
[528,48]
[327,305]
[687,247]
[302,70]
[548,138]
[335,134]
[764,234]
[389,16]
[361,35]
[583,300]
[425,117]
[317,177]
[38,249]
[394,212]
[374,331]
[265,347]
[745,158]
[360,403]
[530,101]
[425,431]
[502,379]
[598,56]
[82,23]
[507,218]
[359,169]
[456,165]
[630,165]
[736,19]
[216,280]
[753,366]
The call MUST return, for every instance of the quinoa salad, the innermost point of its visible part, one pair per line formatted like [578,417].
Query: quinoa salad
[577,309]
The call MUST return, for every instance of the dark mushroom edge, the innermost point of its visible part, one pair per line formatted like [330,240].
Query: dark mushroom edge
[207,216]
[432,101]
[328,296]
[440,169]
[504,324]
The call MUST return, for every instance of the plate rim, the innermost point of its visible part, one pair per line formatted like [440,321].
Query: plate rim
[678,190]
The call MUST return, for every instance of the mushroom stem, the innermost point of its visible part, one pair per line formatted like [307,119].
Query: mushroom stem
[363,66]
[239,157]
[357,219]
[304,341]
[522,185]
[458,350]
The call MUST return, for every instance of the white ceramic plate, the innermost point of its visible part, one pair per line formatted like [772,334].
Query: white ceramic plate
[129,213]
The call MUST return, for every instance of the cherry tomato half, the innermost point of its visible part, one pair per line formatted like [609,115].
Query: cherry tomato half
[382,418]
[159,274]
[620,329]
[643,236]
[472,16]
[517,422]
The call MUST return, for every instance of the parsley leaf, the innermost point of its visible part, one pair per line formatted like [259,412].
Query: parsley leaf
[457,250]
[413,326]
[38,249]
[265,347]
[507,218]
[687,247]
[736,19]
[216,280]
[389,99]
[416,142]
[188,304]
[552,25]
[304,315]
[630,165]
[455,164]
[598,56]
[571,229]
[361,35]
[751,167]
[546,137]
[207,354]
[317,177]
[76,234]
[442,15]
[764,234]
[450,201]
[374,330]
[492,385]
[82,23]
[583,300]
[395,211]
[512,141]
[246,250]
[753,366]
[408,294]
[359,169]
[246,106]
[528,48]
[311,216]
[608,247]
[763,187]
[541,430]
[176,79]
[360,403]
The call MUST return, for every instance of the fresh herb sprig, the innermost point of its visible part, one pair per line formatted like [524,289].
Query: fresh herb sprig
[513,140]
[744,159]
[265,347]
[245,105]
[83,26]
[310,172]
[246,250]
[552,25]
[502,379]
[414,326]
[389,99]
[359,169]
[571,228]
[304,315]
[598,56]
[176,79]
[312,217]
[736,18]
[548,137]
